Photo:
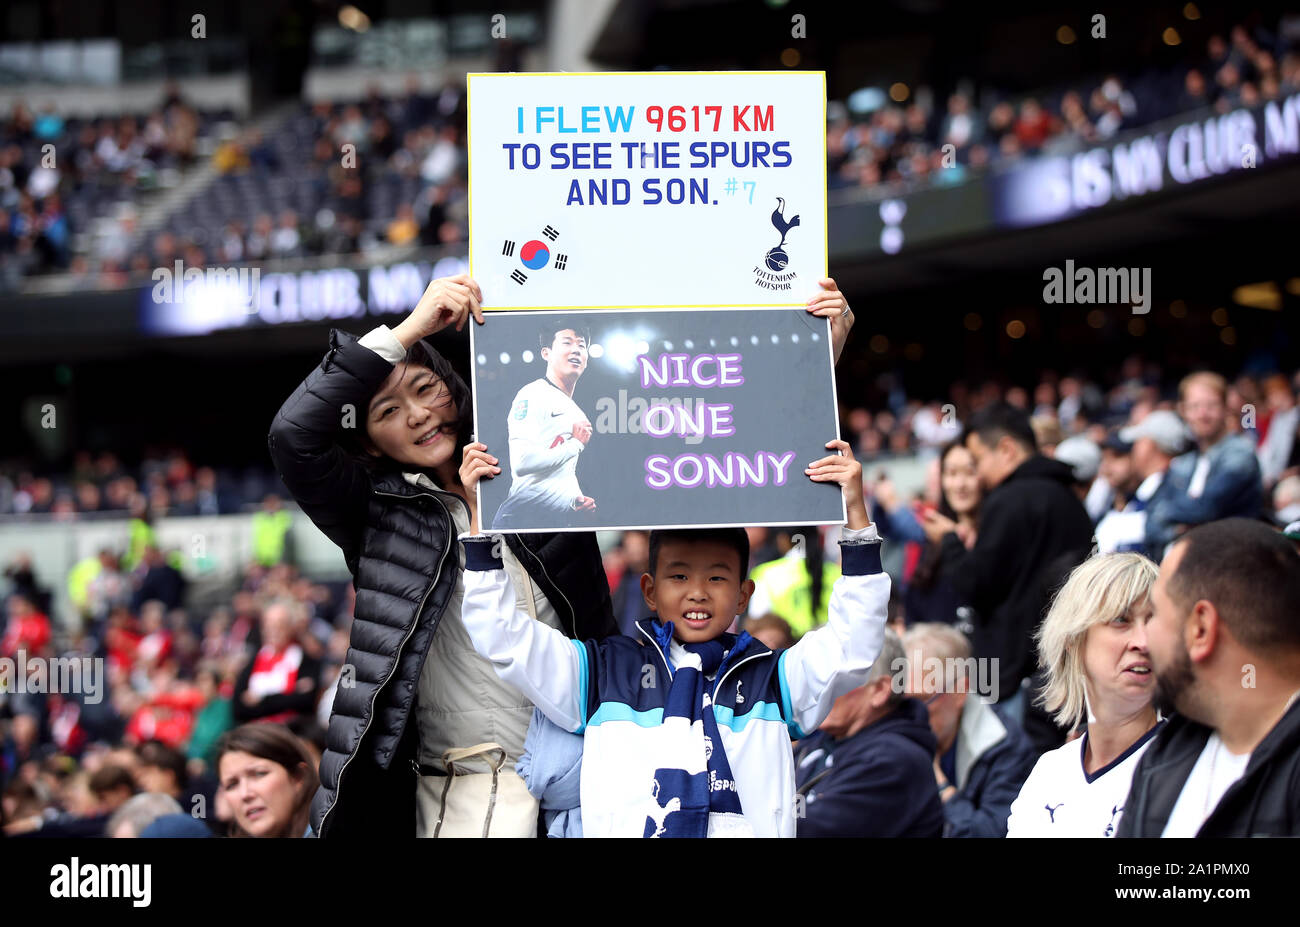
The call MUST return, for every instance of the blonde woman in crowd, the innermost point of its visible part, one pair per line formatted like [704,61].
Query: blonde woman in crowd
[1092,646]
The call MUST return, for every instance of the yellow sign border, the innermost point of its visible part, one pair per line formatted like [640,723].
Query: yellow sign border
[469,152]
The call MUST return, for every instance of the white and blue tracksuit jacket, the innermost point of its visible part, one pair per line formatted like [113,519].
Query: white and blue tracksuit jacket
[613,691]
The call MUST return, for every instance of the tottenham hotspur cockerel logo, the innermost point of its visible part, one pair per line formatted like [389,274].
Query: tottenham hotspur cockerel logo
[773,274]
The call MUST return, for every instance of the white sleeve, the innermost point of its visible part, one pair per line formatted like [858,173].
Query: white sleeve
[383,342]
[539,661]
[530,452]
[836,658]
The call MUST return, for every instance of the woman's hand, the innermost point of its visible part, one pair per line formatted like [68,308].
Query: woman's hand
[476,464]
[843,469]
[447,301]
[936,526]
[831,304]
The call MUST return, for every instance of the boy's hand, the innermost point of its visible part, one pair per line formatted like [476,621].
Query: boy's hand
[447,301]
[830,303]
[843,469]
[476,464]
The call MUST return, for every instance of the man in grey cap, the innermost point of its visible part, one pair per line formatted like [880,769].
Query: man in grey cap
[1153,443]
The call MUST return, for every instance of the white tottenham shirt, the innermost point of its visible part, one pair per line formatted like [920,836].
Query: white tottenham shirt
[543,451]
[1214,773]
[1061,799]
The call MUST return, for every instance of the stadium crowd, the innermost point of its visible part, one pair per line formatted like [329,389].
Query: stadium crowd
[1074,595]
[59,174]
[347,178]
[1022,486]
[880,142]
[164,483]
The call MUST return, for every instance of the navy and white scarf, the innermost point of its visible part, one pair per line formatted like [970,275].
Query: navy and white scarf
[694,793]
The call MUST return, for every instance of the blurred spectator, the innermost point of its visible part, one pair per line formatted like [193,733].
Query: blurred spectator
[1034,125]
[282,680]
[980,762]
[797,586]
[22,581]
[162,770]
[928,595]
[1032,530]
[1286,500]
[629,604]
[213,719]
[172,826]
[268,780]
[105,586]
[1083,457]
[105,791]
[1047,432]
[157,580]
[286,240]
[403,229]
[1219,479]
[1093,647]
[26,629]
[868,770]
[771,630]
[762,546]
[1146,449]
[1278,436]
[138,813]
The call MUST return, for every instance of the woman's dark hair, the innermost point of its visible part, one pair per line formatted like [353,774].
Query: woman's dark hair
[927,568]
[814,561]
[420,354]
[276,743]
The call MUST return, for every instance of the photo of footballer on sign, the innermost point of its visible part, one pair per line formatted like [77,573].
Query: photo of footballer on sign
[606,420]
[547,433]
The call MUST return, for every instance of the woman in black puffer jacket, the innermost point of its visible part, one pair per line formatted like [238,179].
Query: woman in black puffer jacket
[370,446]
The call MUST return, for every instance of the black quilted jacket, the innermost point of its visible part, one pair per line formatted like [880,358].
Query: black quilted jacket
[399,544]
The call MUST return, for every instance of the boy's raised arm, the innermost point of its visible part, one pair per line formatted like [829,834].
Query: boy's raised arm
[539,661]
[837,657]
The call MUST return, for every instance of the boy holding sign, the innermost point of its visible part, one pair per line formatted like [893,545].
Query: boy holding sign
[687,728]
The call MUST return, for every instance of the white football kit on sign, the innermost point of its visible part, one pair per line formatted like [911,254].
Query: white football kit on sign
[543,451]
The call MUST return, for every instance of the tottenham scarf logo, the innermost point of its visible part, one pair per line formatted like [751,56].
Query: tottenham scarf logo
[701,784]
[535,254]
